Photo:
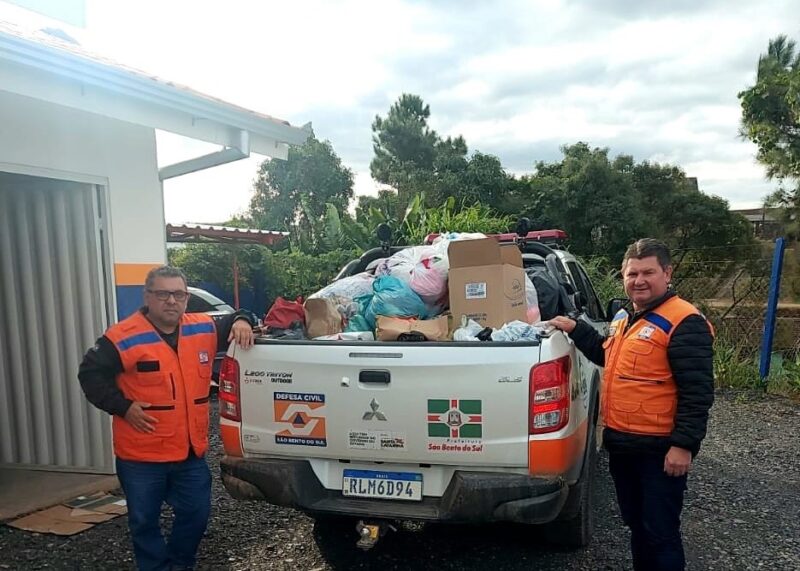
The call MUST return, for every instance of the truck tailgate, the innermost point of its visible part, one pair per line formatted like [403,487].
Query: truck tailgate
[445,403]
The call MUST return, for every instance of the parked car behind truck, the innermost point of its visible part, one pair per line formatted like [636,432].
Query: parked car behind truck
[432,431]
[201,301]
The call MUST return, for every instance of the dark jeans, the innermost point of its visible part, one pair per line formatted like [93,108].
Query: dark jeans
[651,503]
[186,486]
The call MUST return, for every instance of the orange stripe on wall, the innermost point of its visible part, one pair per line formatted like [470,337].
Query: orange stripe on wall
[132,274]
[231,440]
[556,457]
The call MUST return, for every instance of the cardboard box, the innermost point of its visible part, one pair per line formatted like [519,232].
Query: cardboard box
[487,282]
[74,516]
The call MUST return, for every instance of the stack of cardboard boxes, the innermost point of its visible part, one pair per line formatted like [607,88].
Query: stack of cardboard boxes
[483,281]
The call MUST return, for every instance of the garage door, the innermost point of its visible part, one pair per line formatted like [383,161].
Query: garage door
[53,305]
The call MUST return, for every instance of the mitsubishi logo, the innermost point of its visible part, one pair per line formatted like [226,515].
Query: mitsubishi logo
[375,413]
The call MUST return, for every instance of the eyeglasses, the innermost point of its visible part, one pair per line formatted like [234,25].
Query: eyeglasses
[163,294]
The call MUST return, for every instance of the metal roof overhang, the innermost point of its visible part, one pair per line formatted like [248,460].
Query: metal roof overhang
[57,72]
[206,233]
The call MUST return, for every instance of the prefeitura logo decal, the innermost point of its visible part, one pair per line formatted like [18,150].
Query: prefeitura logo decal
[455,425]
[301,416]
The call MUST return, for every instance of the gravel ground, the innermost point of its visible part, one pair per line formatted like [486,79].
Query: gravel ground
[741,512]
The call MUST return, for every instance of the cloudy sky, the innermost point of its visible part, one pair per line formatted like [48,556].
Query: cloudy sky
[651,78]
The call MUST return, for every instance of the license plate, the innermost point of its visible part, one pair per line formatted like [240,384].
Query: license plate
[382,485]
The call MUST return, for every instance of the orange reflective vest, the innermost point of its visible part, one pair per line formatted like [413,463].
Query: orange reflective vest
[176,385]
[639,393]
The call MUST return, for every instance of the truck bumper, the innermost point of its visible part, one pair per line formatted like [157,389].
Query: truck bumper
[471,497]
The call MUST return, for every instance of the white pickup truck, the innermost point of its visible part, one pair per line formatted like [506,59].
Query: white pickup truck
[431,431]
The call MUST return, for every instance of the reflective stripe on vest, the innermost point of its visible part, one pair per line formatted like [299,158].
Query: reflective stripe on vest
[176,385]
[639,393]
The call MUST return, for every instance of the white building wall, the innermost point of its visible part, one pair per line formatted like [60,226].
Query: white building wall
[55,427]
[36,137]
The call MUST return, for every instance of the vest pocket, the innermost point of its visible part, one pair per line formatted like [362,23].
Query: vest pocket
[165,427]
[201,422]
[640,347]
[201,385]
[630,416]
[154,388]
[146,379]
[200,404]
[657,407]
[625,406]
[128,438]
[648,417]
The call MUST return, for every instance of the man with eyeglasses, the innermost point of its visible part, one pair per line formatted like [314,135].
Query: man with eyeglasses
[152,373]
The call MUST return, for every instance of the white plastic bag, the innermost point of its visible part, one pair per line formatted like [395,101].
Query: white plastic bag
[453,236]
[348,336]
[423,268]
[346,306]
[347,288]
[429,279]
[516,331]
[468,331]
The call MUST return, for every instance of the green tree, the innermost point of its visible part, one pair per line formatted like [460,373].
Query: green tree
[277,273]
[294,195]
[771,109]
[405,148]
[213,263]
[771,119]
[606,204]
[588,198]
[678,213]
[787,203]
[371,210]
[479,178]
[414,160]
[204,263]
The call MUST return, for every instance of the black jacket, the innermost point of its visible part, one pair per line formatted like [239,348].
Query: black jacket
[690,354]
[101,365]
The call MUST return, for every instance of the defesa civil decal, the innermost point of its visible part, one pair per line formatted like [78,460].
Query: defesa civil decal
[203,356]
[455,425]
[300,418]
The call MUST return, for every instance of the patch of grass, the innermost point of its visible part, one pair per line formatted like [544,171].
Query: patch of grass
[733,368]
[784,376]
[736,369]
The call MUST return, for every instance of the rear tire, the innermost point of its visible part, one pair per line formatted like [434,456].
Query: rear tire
[575,530]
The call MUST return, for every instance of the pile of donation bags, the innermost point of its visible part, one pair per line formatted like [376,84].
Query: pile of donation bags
[462,287]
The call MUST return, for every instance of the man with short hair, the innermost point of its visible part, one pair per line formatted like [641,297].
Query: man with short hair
[152,372]
[657,390]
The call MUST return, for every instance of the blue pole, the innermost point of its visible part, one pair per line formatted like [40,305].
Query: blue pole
[772,308]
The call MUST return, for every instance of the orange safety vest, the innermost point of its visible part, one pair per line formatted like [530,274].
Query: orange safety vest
[639,393]
[176,385]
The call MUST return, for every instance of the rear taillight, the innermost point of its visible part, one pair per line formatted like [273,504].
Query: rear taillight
[229,404]
[549,396]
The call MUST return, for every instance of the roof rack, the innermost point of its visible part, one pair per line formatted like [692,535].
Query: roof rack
[553,238]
